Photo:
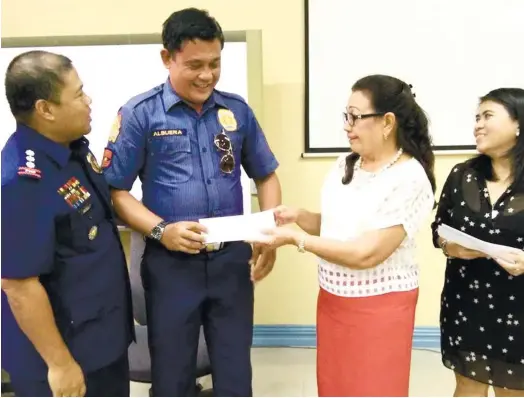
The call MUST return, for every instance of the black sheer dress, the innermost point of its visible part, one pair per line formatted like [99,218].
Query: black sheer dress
[482,306]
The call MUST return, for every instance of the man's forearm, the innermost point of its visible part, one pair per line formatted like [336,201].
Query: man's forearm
[30,305]
[134,213]
[269,192]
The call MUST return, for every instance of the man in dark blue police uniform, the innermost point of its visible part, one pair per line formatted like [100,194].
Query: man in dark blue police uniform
[66,311]
[186,141]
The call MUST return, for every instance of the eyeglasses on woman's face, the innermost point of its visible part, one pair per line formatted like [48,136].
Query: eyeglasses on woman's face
[350,118]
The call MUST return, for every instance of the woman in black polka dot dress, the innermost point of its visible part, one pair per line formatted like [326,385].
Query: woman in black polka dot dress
[482,304]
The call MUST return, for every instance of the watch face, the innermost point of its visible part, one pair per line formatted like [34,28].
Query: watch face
[156,233]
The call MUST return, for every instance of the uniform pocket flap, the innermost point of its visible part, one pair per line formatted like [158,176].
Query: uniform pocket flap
[171,144]
[87,311]
[84,312]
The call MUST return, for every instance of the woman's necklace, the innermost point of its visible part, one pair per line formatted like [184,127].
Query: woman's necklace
[358,164]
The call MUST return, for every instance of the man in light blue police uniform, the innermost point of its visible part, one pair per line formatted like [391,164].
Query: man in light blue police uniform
[186,141]
[66,313]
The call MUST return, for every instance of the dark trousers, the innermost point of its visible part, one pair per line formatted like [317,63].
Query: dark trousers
[184,292]
[109,381]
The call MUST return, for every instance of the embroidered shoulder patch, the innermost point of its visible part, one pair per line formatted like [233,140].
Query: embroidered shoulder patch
[115,129]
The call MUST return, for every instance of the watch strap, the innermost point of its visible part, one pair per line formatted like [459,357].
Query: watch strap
[158,230]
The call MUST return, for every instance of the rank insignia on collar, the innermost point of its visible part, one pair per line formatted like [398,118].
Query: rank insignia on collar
[93,162]
[74,194]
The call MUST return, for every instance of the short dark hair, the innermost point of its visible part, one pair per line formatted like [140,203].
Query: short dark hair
[512,99]
[389,94]
[190,24]
[34,75]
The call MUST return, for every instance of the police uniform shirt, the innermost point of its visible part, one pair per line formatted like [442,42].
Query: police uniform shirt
[171,148]
[57,224]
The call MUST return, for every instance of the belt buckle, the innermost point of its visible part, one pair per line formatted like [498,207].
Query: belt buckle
[211,247]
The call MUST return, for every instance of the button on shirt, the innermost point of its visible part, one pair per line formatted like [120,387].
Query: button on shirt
[171,148]
[57,224]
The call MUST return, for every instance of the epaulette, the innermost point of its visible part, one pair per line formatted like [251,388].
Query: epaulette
[29,169]
[231,96]
[139,98]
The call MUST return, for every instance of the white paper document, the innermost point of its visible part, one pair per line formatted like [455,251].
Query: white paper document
[248,227]
[470,242]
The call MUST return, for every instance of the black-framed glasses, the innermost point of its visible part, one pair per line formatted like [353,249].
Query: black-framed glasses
[227,161]
[350,118]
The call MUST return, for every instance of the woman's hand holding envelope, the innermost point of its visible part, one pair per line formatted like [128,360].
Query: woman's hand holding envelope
[285,215]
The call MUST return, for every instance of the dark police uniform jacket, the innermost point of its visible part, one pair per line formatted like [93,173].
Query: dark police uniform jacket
[58,225]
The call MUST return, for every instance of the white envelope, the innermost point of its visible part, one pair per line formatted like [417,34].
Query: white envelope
[247,227]
[470,242]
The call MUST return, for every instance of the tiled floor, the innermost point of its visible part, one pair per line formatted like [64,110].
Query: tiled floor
[290,372]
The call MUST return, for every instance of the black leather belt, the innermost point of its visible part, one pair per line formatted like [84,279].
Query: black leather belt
[208,247]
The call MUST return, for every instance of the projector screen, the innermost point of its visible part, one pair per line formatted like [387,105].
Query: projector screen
[112,74]
[452,52]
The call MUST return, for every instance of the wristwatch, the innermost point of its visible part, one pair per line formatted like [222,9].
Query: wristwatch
[157,232]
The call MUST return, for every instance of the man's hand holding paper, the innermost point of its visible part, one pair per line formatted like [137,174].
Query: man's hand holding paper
[250,228]
[184,236]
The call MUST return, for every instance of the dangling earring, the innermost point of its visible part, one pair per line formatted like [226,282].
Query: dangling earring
[385,136]
[518,131]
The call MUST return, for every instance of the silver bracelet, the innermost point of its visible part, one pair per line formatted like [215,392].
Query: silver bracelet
[301,244]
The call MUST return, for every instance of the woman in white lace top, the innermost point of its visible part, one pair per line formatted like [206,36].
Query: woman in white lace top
[373,202]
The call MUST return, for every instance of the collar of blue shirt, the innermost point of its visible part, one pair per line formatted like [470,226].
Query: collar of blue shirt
[171,98]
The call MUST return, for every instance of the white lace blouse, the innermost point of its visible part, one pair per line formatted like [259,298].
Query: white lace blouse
[400,195]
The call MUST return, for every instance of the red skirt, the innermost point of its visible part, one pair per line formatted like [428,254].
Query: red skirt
[364,344]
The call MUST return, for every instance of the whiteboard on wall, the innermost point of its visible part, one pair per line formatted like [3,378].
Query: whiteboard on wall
[112,74]
[452,52]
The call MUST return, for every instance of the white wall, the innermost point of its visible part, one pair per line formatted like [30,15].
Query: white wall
[452,52]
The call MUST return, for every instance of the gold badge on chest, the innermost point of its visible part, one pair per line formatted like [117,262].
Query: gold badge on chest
[227,120]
